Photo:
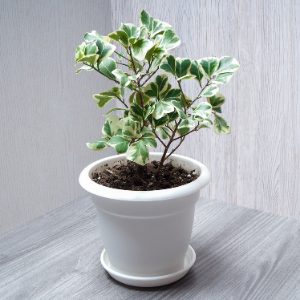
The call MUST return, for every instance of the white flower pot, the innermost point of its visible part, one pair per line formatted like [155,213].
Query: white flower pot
[146,234]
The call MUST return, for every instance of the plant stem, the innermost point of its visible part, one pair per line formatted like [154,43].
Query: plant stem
[149,77]
[101,73]
[122,55]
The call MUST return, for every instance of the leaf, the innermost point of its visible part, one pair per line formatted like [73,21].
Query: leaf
[149,110]
[183,131]
[145,19]
[94,35]
[128,132]
[137,110]
[110,126]
[203,126]
[173,94]
[188,123]
[208,66]
[195,70]
[162,108]
[162,83]
[124,80]
[203,110]
[183,66]
[91,49]
[103,98]
[159,27]
[91,59]
[162,121]
[151,90]
[173,116]
[178,108]
[138,98]
[119,143]
[216,100]
[99,145]
[130,29]
[84,67]
[221,126]
[138,153]
[140,48]
[217,109]
[185,100]
[80,50]
[210,90]
[168,65]
[104,50]
[223,78]
[113,109]
[164,132]
[228,65]
[169,39]
[107,66]
[120,55]
[202,120]
[149,141]
[120,36]
[163,94]
[186,77]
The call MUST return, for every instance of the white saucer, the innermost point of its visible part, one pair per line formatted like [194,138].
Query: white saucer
[189,260]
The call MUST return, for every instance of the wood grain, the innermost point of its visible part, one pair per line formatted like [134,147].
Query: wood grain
[241,254]
[47,112]
[257,165]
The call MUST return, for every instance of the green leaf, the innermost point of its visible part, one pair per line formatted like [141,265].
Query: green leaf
[188,123]
[162,83]
[137,110]
[121,37]
[223,78]
[146,20]
[110,126]
[159,27]
[195,70]
[169,39]
[138,98]
[99,145]
[203,110]
[228,65]
[183,66]
[138,153]
[201,120]
[183,131]
[163,94]
[107,66]
[91,49]
[203,126]
[104,50]
[119,55]
[216,100]
[91,59]
[119,143]
[210,90]
[217,109]
[168,65]
[151,90]
[162,121]
[185,100]
[149,110]
[149,141]
[186,77]
[173,116]
[79,53]
[125,122]
[208,66]
[173,94]
[162,108]
[130,29]
[113,109]
[128,132]
[178,108]
[124,80]
[140,48]
[164,132]
[221,126]
[84,67]
[94,35]
[103,98]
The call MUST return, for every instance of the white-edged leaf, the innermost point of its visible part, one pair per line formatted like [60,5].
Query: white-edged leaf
[84,67]
[119,143]
[145,19]
[228,65]
[151,90]
[113,109]
[103,98]
[221,126]
[140,48]
[94,35]
[149,141]
[186,77]
[107,66]
[210,90]
[195,70]
[162,121]
[217,100]
[110,126]
[162,108]
[138,153]
[131,30]
[168,65]
[208,66]
[91,59]
[203,110]
[121,37]
[169,39]
[223,77]
[104,50]
[188,123]
[123,78]
[164,132]
[162,83]
[98,145]
[183,66]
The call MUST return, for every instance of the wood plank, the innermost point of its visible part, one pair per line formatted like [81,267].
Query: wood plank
[241,254]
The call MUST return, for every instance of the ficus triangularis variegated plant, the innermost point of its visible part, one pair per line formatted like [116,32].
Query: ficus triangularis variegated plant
[154,110]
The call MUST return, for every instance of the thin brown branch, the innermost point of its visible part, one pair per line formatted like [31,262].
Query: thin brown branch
[150,76]
[91,66]
[122,55]
[175,148]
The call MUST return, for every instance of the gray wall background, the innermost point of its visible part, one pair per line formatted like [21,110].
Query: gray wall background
[47,113]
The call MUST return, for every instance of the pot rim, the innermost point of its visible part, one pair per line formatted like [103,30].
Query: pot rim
[158,195]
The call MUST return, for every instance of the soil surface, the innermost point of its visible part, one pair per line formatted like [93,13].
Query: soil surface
[129,177]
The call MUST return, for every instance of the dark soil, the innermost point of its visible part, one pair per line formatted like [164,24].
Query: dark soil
[130,177]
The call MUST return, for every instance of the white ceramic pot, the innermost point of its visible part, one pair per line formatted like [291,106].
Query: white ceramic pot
[146,233]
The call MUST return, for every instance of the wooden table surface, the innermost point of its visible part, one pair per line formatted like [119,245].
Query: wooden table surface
[241,254]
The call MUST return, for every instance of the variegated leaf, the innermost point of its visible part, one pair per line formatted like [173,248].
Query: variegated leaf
[159,27]
[79,53]
[146,20]
[137,110]
[107,66]
[162,83]
[94,35]
[228,65]
[104,50]
[84,67]
[110,126]
[217,109]
[121,37]
[216,100]
[130,29]
[210,90]
[119,143]
[163,95]
[173,116]
[173,94]
[162,108]
[188,123]
[202,120]
[178,108]
[168,65]
[164,132]
[223,77]
[91,49]
[128,132]
[98,145]
[137,98]
[149,141]
[162,121]
[183,131]
[123,78]
[125,122]
[140,48]
[183,66]
[185,100]
[195,70]
[113,109]
[151,90]
[150,110]
[103,98]
[169,39]
[186,77]
[221,126]
[90,59]
[203,110]
[208,66]
[203,126]
[138,153]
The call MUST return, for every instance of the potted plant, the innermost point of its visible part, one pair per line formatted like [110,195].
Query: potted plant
[146,231]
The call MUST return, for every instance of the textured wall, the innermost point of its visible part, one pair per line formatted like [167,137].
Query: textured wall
[47,112]
[257,166]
